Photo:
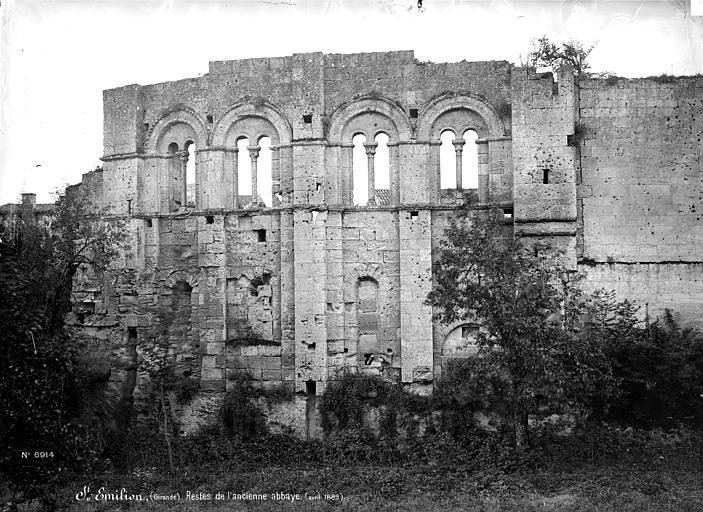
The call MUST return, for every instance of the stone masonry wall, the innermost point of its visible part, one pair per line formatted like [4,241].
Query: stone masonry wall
[641,191]
[606,176]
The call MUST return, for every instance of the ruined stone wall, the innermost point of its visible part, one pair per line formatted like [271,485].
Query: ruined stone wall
[641,190]
[295,292]
[605,176]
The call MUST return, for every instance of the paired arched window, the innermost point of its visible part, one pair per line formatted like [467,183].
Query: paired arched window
[458,160]
[178,142]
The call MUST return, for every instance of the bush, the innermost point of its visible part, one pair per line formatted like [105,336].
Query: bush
[345,400]
[661,376]
[241,416]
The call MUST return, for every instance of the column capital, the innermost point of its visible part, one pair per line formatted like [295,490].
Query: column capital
[254,151]
[370,147]
[458,144]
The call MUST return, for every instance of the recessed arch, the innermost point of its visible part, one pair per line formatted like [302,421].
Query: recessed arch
[429,115]
[186,122]
[181,275]
[266,111]
[382,107]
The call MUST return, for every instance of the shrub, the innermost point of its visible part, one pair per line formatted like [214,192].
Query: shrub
[241,416]
[661,376]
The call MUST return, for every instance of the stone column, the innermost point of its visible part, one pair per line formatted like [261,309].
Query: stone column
[436,181]
[370,153]
[394,171]
[233,167]
[458,148]
[347,175]
[483,168]
[275,177]
[254,155]
[184,182]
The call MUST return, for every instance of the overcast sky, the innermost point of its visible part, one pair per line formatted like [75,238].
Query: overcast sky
[57,57]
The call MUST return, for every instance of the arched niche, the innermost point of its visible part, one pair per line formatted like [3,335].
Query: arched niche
[461,341]
[459,121]
[458,112]
[253,128]
[253,121]
[181,275]
[179,126]
[359,116]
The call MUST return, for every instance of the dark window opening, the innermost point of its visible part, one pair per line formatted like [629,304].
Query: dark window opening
[413,113]
[148,223]
[209,219]
[318,186]
[260,235]
[310,387]
[507,213]
[129,206]
[209,118]
[346,349]
[414,214]
[312,346]
[132,332]
[390,350]
[536,252]
[307,118]
[173,148]
[545,176]
[146,127]
[368,359]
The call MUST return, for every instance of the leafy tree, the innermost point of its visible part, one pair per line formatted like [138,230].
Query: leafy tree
[543,339]
[571,54]
[52,404]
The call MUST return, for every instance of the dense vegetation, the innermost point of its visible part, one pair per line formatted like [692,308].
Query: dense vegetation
[567,387]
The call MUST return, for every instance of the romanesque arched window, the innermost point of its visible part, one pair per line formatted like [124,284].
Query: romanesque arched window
[458,156]
[383,127]
[256,176]
[474,125]
[263,162]
[174,146]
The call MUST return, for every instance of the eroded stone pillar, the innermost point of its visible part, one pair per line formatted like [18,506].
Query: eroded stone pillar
[395,174]
[370,154]
[459,148]
[232,166]
[275,177]
[254,155]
